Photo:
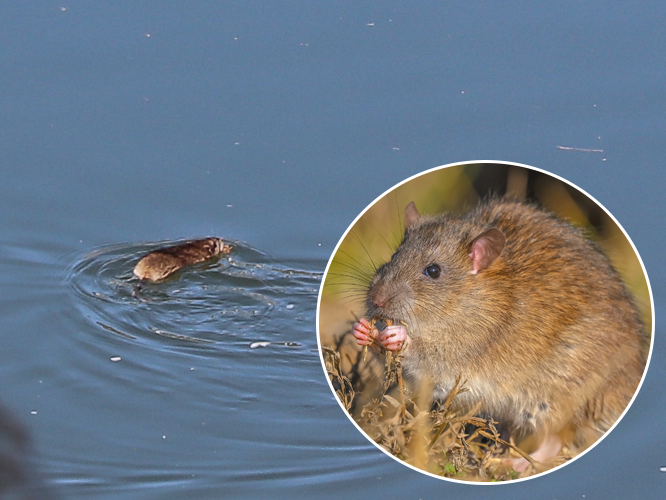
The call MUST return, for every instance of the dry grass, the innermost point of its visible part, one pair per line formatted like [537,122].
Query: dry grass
[431,437]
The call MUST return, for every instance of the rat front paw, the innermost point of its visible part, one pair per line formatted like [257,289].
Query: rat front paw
[394,337]
[363,332]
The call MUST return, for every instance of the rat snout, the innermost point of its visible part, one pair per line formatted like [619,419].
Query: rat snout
[378,298]
[389,299]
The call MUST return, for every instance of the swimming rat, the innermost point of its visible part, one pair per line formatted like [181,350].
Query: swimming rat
[163,262]
[525,309]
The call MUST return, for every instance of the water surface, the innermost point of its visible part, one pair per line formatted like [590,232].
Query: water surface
[126,125]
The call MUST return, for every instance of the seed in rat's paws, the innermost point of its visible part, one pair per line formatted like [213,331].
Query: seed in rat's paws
[380,325]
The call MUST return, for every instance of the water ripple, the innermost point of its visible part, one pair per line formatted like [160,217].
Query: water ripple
[239,299]
[164,391]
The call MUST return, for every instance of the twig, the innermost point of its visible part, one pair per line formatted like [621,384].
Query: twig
[516,449]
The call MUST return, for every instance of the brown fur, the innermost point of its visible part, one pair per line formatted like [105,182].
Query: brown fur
[546,336]
[161,263]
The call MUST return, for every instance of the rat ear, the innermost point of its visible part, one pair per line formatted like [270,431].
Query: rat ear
[411,214]
[486,248]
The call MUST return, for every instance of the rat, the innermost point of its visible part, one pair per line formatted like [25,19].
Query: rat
[161,263]
[522,307]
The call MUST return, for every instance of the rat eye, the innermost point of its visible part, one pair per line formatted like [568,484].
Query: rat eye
[432,271]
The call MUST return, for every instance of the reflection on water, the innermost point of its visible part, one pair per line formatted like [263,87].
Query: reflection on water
[18,478]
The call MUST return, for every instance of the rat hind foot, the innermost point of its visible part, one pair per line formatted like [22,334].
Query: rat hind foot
[548,449]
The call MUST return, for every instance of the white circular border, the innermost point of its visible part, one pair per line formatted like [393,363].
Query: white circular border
[647,364]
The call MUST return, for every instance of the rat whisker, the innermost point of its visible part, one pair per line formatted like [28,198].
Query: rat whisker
[374,266]
[355,268]
[352,276]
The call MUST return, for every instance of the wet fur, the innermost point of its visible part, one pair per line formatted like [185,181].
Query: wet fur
[161,263]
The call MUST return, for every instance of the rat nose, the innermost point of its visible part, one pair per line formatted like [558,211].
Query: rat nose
[378,299]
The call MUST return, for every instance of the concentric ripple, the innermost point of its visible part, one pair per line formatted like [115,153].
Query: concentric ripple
[238,300]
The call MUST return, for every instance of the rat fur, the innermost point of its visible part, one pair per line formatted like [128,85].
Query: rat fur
[525,309]
[161,263]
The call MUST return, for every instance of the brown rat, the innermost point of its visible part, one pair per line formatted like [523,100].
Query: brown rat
[161,263]
[525,309]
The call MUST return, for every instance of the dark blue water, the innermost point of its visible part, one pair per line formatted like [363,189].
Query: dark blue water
[274,125]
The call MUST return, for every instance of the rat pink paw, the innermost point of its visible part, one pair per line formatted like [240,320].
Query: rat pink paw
[363,332]
[549,447]
[394,337]
[517,464]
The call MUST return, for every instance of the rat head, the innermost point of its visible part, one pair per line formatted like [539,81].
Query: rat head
[214,246]
[441,265]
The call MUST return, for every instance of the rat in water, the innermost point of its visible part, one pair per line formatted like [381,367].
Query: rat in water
[524,308]
[163,262]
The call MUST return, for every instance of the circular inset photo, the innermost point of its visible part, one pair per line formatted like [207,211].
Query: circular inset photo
[485,322]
